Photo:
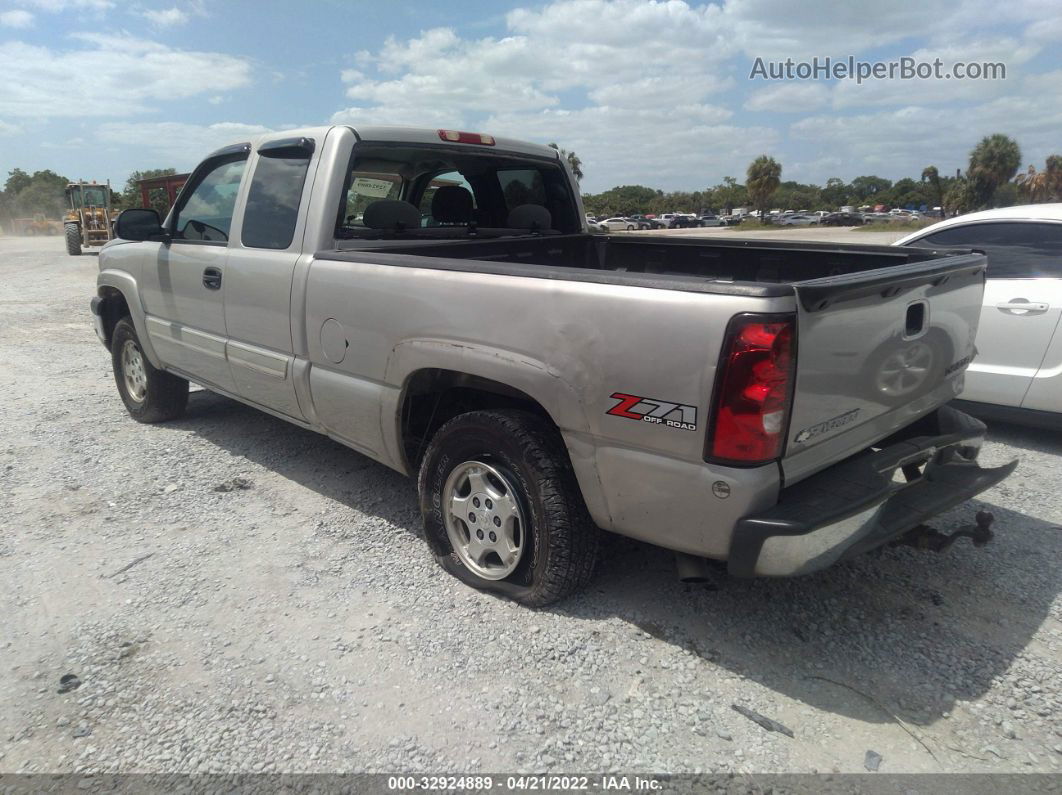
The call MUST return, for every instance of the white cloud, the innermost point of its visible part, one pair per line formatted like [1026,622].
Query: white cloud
[18,18]
[693,147]
[437,69]
[777,29]
[184,144]
[644,67]
[166,17]
[110,75]
[603,77]
[6,128]
[789,97]
[904,140]
[1007,50]
[626,52]
[55,6]
[402,117]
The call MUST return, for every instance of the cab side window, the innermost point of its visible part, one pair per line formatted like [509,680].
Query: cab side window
[1015,250]
[205,213]
[275,194]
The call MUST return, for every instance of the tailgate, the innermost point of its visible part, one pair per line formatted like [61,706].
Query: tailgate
[875,351]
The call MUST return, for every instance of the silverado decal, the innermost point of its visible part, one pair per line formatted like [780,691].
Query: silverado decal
[827,425]
[661,412]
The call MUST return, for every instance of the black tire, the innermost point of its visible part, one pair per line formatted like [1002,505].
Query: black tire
[73,239]
[559,555]
[165,395]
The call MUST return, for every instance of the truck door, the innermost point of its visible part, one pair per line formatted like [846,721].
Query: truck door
[183,287]
[259,273]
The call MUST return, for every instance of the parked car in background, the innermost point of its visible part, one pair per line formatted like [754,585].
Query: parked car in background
[798,219]
[901,216]
[685,221]
[710,219]
[842,219]
[616,224]
[645,222]
[1017,371]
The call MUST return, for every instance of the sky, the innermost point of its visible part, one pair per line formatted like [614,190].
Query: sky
[645,92]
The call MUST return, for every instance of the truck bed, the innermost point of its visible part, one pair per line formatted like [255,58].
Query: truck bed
[866,315]
[747,267]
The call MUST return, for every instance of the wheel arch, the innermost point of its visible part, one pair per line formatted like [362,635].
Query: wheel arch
[119,297]
[440,379]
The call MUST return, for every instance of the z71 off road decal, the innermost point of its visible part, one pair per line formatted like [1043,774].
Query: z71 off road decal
[661,412]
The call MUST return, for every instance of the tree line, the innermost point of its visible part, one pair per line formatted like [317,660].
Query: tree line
[43,194]
[990,180]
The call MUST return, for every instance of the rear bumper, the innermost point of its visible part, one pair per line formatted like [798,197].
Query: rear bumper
[858,505]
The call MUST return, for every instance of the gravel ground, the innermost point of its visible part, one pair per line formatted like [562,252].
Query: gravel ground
[236,594]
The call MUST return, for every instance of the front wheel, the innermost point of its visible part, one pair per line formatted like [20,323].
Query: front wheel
[502,509]
[149,394]
[630,228]
[73,239]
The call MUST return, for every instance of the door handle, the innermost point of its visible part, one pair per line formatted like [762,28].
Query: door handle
[1021,307]
[212,278]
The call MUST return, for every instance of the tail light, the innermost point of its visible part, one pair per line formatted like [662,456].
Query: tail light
[754,386]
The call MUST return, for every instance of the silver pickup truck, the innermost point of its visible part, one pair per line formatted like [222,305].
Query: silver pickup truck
[434,300]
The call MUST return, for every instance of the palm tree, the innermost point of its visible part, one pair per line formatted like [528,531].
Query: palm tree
[574,163]
[1032,184]
[960,196]
[762,180]
[1042,186]
[993,162]
[932,176]
[1054,177]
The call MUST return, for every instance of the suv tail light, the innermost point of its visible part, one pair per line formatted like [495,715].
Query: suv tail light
[754,390]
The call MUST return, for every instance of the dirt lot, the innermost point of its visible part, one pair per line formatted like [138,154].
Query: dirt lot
[236,594]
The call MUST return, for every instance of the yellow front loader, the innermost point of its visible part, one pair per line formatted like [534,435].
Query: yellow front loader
[89,221]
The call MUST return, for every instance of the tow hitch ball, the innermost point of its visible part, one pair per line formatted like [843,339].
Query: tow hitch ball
[926,537]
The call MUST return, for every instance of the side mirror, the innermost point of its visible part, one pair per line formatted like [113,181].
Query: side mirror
[139,224]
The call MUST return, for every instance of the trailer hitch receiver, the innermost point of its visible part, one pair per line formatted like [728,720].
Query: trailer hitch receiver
[929,538]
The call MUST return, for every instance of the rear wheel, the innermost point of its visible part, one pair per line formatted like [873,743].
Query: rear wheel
[502,509]
[149,394]
[73,239]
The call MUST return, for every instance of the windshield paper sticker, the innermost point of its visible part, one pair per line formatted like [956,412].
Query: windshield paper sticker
[376,188]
